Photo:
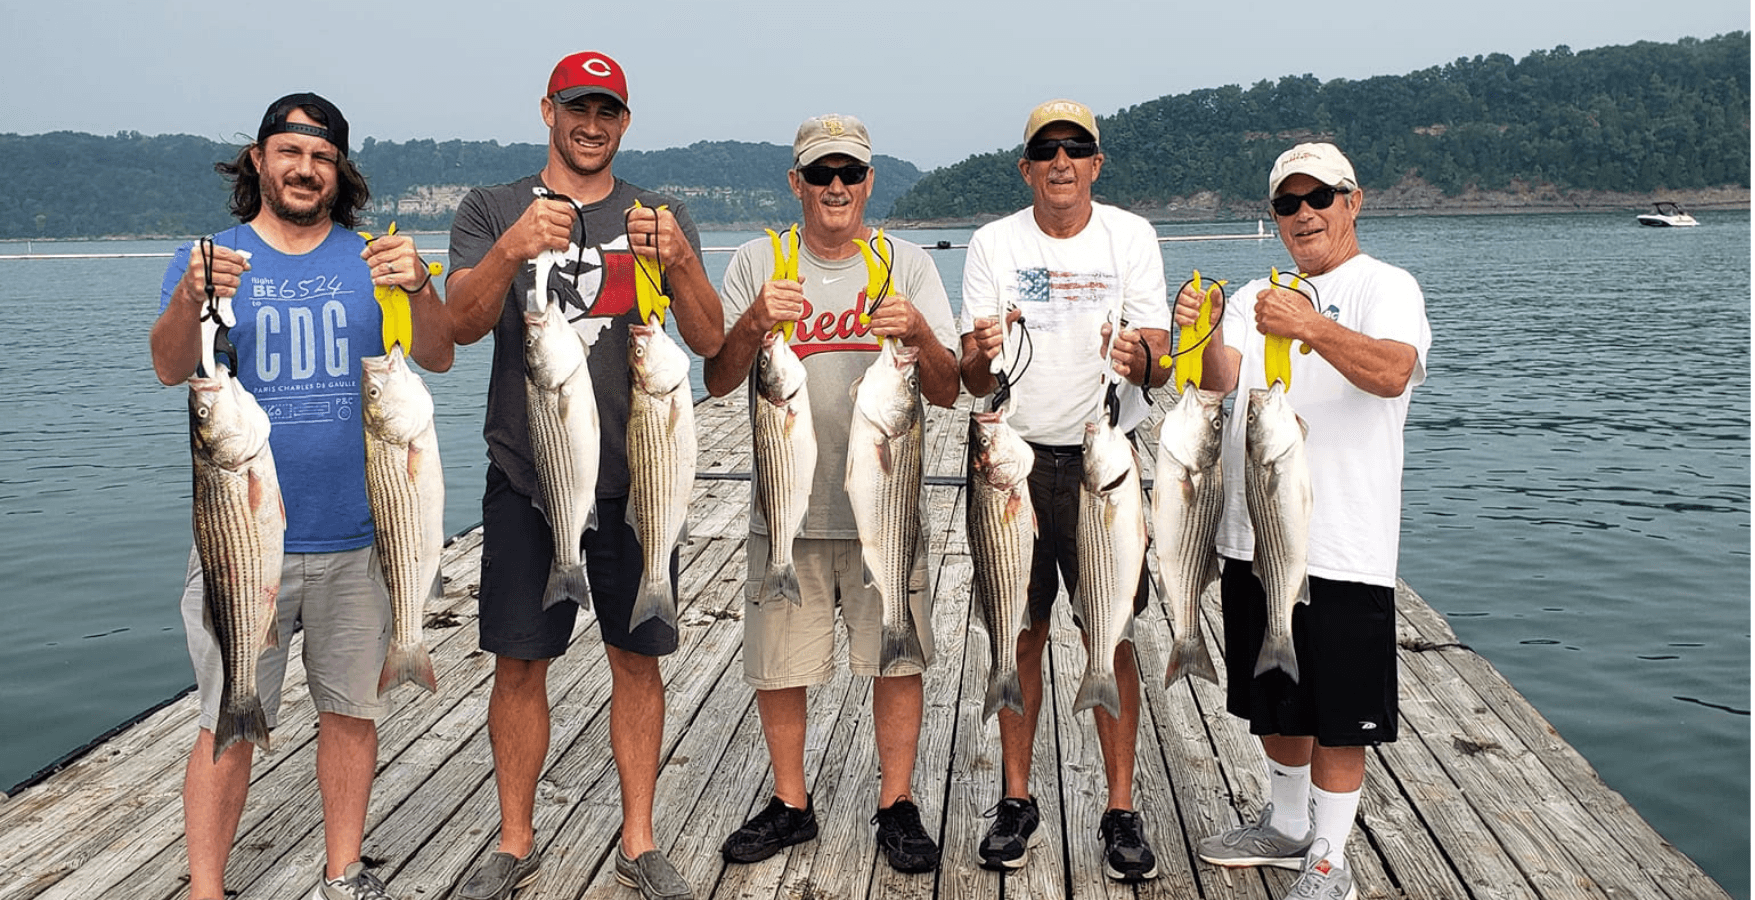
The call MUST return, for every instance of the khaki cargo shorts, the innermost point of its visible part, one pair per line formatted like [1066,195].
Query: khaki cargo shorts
[787,646]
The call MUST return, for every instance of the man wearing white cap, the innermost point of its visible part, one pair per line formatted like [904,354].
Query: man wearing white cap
[789,636]
[1365,322]
[1066,263]
[497,232]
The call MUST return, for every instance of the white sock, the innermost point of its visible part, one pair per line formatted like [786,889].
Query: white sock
[1289,788]
[1334,815]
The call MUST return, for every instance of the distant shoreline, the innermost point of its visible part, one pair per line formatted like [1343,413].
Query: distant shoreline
[1418,199]
[1405,199]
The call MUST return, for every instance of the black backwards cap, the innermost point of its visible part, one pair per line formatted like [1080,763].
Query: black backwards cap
[333,128]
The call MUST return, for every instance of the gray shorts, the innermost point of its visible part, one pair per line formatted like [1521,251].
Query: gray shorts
[786,646]
[340,602]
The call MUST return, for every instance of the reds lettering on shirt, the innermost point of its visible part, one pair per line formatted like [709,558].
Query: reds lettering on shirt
[821,332]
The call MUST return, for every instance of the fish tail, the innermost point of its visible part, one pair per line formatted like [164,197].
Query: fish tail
[781,581]
[1099,689]
[567,583]
[240,719]
[1004,690]
[405,663]
[1190,657]
[654,601]
[901,646]
[1277,652]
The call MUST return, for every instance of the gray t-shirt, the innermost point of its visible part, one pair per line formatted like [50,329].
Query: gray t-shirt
[596,287]
[835,350]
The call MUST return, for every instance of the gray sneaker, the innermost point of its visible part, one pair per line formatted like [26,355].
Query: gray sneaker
[355,883]
[653,875]
[1255,845]
[502,874]
[1320,879]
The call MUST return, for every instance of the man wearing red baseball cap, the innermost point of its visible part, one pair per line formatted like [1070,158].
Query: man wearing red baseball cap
[575,205]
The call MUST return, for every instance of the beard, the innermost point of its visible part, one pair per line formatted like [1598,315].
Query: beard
[274,197]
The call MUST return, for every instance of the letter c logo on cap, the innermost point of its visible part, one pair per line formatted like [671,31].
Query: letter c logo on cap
[596,65]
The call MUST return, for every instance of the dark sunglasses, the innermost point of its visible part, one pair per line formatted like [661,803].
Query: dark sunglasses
[1043,151]
[820,176]
[1321,198]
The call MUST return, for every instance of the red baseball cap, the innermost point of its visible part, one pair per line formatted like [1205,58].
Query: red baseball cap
[586,73]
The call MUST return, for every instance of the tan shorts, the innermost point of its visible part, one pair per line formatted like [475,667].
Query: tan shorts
[786,646]
[339,601]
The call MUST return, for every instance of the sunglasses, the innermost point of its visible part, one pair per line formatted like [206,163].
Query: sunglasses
[1043,151]
[1321,198]
[820,176]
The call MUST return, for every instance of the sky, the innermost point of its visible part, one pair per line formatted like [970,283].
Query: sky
[934,82]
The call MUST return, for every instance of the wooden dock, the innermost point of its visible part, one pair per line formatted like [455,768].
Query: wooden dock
[1479,799]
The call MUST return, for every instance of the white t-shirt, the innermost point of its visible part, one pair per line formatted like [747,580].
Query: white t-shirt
[1065,287]
[1355,438]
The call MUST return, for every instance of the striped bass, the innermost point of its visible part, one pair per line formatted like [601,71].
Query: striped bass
[661,463]
[1002,538]
[564,436]
[1276,488]
[240,528]
[405,485]
[1112,550]
[785,459]
[884,448]
[1187,499]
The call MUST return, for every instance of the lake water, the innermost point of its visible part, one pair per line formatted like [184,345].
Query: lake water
[1576,492]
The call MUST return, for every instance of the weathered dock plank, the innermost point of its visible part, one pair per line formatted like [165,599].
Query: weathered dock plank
[1479,799]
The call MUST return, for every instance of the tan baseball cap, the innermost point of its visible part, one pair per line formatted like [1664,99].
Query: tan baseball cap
[820,136]
[1323,162]
[1061,111]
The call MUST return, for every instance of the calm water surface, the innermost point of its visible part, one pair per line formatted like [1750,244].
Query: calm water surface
[1576,500]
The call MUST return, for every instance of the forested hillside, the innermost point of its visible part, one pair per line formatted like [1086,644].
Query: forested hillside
[67,184]
[1631,119]
[1634,118]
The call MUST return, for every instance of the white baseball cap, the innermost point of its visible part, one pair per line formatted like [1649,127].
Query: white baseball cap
[1321,161]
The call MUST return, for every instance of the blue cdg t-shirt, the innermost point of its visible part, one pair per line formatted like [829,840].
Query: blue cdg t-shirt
[303,324]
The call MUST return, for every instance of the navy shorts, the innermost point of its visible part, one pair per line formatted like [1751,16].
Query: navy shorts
[1054,493]
[516,552]
[1345,641]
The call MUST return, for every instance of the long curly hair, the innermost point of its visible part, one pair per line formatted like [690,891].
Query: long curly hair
[351,196]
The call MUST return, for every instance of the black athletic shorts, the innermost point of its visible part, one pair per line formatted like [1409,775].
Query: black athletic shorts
[1345,640]
[1054,492]
[516,553]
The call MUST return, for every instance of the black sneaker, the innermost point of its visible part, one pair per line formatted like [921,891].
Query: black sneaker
[1126,855]
[902,838]
[771,829]
[1012,834]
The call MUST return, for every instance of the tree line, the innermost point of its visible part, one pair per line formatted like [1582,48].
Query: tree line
[69,184]
[1635,118]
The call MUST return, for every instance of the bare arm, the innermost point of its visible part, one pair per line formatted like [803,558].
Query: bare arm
[898,319]
[393,260]
[981,346]
[700,317]
[1136,354]
[476,296]
[1374,365]
[776,302]
[176,334]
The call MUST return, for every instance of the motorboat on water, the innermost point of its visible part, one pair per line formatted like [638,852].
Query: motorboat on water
[1668,215]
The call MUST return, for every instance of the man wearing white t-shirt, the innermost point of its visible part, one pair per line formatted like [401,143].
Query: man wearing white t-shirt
[1064,265]
[1364,322]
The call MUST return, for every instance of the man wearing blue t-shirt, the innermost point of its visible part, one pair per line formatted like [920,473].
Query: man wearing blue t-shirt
[302,286]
